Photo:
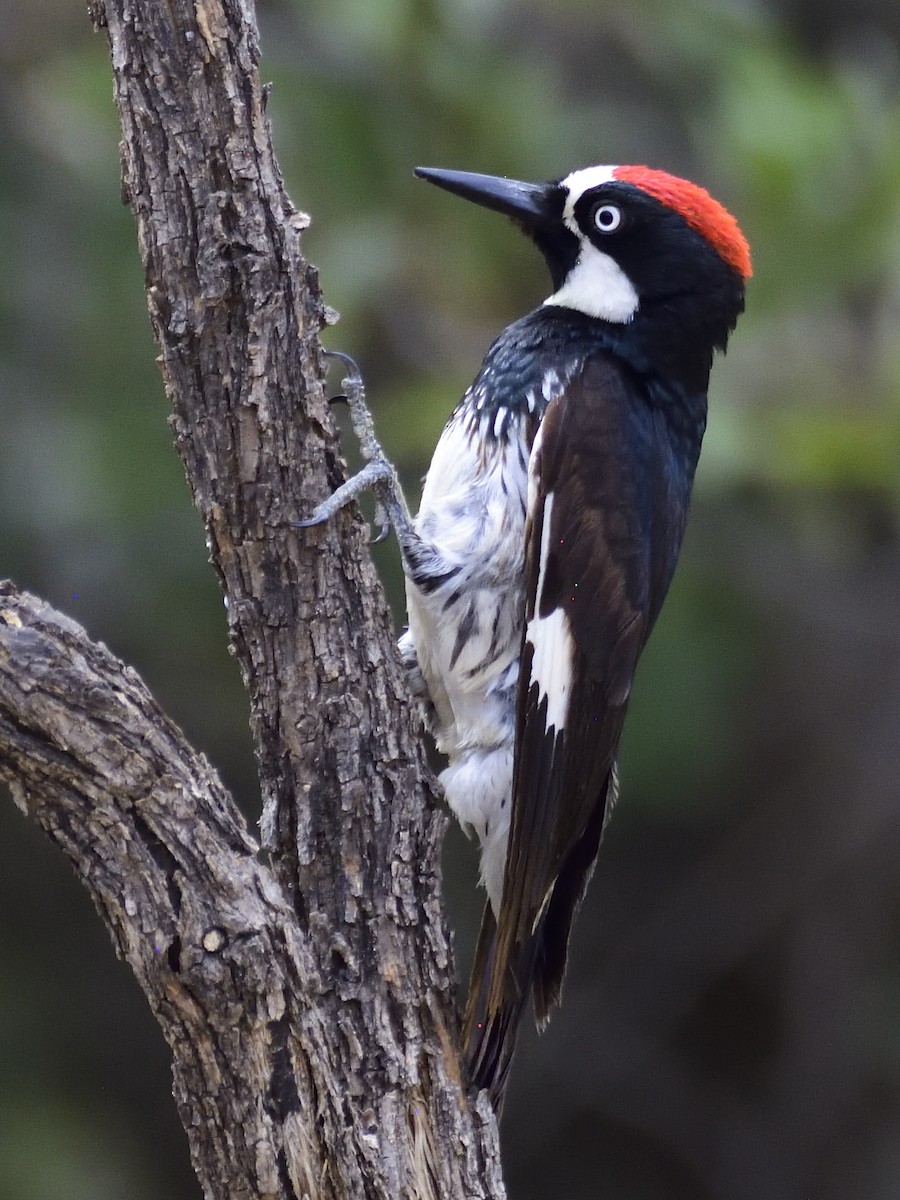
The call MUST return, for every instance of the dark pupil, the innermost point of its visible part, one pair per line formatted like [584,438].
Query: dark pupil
[607,216]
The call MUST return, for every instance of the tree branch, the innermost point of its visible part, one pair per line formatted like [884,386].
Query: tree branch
[259,1055]
[309,1003]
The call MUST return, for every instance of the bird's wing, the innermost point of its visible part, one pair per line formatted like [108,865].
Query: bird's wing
[597,479]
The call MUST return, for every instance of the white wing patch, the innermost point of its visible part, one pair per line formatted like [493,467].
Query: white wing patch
[545,536]
[599,287]
[550,638]
[533,468]
[551,667]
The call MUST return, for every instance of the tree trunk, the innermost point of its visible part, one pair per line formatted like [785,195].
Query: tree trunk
[307,992]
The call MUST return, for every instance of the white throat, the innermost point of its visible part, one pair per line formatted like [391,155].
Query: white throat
[599,287]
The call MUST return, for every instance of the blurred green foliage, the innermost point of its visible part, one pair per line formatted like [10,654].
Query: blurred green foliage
[785,604]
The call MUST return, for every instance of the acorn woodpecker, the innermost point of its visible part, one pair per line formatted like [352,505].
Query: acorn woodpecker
[549,528]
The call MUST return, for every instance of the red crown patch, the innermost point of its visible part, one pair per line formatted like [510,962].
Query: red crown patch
[699,209]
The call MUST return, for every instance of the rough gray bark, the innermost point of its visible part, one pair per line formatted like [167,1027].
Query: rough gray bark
[308,998]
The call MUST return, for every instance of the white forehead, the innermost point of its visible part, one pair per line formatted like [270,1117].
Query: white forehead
[582,181]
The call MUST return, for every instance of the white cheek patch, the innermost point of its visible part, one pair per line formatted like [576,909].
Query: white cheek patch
[599,287]
[596,285]
[551,666]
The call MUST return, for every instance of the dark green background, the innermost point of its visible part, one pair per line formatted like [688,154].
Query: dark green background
[730,1025]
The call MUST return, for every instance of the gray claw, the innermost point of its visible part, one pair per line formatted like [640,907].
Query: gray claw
[349,363]
[383,533]
[309,523]
[378,474]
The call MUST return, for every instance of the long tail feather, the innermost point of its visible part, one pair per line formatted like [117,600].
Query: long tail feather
[530,966]
[491,1023]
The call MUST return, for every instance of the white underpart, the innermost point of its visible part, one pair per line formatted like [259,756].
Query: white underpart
[472,516]
[478,787]
[596,285]
[551,640]
[469,514]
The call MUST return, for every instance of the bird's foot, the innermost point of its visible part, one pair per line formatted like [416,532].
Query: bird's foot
[377,476]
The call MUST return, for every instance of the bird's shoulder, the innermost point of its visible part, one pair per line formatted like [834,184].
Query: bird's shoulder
[609,487]
[531,362]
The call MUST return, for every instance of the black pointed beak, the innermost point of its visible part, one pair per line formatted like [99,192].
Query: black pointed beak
[525,202]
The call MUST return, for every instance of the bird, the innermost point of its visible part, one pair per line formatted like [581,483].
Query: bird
[550,523]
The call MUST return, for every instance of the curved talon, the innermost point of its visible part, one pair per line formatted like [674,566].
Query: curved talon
[309,523]
[384,529]
[350,363]
[390,511]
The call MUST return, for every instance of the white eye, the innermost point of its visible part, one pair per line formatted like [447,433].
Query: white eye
[607,218]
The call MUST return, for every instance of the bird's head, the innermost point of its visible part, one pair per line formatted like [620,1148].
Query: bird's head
[631,246]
